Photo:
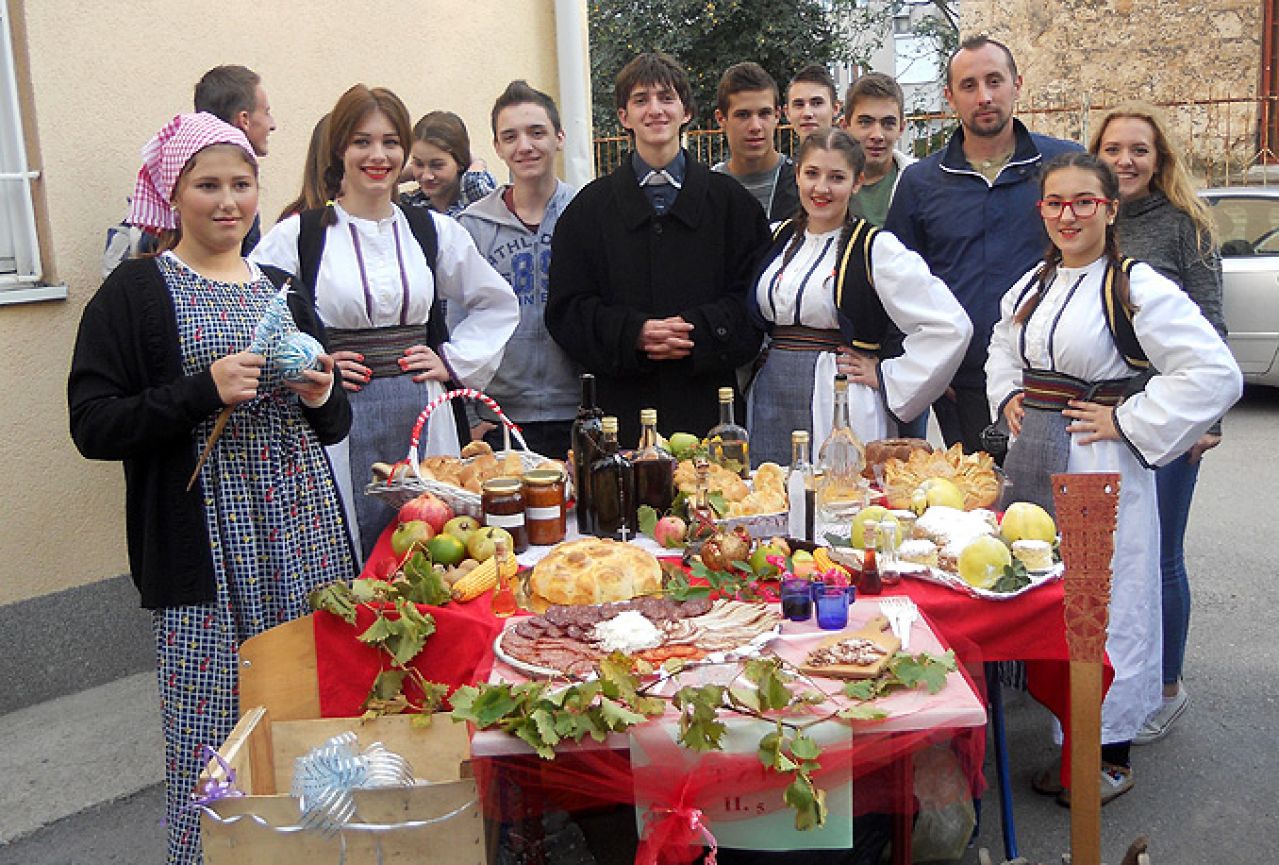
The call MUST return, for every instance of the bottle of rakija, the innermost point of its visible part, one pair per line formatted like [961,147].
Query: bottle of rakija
[697,508]
[503,602]
[585,443]
[799,488]
[653,466]
[612,488]
[841,490]
[728,442]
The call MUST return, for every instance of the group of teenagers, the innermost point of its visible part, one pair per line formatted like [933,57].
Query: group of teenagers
[1071,295]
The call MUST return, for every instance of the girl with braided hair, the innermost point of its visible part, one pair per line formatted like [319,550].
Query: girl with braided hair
[836,295]
[1066,371]
[376,271]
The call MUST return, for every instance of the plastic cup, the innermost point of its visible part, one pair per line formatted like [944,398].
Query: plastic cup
[832,606]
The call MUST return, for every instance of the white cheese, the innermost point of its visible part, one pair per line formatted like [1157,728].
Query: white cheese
[629,631]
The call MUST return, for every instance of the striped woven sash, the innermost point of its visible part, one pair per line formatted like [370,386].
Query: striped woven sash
[1050,390]
[382,347]
[799,338]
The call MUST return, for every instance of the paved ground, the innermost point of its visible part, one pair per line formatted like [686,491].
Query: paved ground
[1209,793]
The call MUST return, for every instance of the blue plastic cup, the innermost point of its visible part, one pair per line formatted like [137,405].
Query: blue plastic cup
[832,606]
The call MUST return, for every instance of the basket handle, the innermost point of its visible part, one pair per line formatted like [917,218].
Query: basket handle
[509,426]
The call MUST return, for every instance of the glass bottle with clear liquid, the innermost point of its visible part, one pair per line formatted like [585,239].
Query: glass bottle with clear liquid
[841,489]
[800,492]
[653,467]
[728,442]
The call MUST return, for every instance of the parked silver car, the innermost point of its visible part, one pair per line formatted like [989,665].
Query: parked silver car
[1247,220]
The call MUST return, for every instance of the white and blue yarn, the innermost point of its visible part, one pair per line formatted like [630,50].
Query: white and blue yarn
[295,354]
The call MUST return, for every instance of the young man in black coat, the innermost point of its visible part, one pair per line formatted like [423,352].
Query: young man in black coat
[650,266]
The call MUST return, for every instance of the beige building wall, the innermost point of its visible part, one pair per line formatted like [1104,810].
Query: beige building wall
[103,77]
[1101,52]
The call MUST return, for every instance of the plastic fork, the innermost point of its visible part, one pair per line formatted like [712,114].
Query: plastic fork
[901,613]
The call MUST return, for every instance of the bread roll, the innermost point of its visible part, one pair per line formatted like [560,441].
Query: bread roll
[595,571]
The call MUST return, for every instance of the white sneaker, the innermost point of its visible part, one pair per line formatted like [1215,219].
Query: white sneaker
[1158,724]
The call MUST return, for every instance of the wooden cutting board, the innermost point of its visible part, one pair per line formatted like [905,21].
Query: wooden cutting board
[876,631]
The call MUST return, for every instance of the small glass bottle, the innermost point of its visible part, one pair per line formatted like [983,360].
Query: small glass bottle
[503,602]
[799,488]
[870,583]
[697,507]
[841,490]
[612,488]
[653,466]
[502,505]
[728,442]
[585,443]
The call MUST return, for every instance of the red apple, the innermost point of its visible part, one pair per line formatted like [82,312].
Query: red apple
[670,532]
[428,508]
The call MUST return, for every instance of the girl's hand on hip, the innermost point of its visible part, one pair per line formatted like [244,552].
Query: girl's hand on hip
[861,368]
[1206,442]
[427,364]
[236,376]
[315,384]
[1014,412]
[1092,421]
[351,369]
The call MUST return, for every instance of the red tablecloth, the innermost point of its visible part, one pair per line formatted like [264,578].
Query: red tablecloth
[1030,627]
[459,653]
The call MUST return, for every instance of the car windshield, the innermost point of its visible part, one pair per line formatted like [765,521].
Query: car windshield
[1246,225]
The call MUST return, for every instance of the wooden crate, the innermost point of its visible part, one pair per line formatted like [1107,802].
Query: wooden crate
[263,753]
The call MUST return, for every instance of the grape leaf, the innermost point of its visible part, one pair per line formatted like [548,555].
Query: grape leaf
[747,698]
[862,712]
[804,748]
[335,598]
[647,516]
[1012,579]
[490,706]
[617,717]
[380,631]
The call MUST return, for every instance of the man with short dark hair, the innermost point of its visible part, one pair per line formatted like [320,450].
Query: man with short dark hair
[874,113]
[969,210]
[748,109]
[235,94]
[651,265]
[512,227]
[811,101]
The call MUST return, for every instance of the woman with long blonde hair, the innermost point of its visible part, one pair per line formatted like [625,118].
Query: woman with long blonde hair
[1163,222]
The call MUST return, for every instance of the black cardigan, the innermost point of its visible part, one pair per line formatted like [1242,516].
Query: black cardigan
[130,401]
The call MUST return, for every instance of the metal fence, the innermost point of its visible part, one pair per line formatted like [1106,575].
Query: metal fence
[1224,138]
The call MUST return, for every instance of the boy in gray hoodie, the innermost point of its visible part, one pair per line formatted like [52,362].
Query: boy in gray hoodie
[536,384]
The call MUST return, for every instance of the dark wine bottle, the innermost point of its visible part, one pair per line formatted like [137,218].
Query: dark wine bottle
[612,489]
[586,450]
[653,467]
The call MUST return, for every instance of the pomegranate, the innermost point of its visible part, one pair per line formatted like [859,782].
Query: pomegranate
[430,509]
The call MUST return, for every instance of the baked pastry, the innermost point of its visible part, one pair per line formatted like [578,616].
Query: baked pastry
[920,551]
[952,529]
[1037,556]
[881,451]
[974,474]
[594,571]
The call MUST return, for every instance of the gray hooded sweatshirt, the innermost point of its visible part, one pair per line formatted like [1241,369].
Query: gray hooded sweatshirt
[536,380]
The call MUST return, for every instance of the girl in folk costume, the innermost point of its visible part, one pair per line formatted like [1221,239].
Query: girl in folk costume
[376,272]
[1072,334]
[159,355]
[1163,222]
[830,291]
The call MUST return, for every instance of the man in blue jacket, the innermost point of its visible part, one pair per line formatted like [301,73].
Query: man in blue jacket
[969,210]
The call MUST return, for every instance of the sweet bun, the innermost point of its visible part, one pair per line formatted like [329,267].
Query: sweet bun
[881,451]
[595,571]
[474,449]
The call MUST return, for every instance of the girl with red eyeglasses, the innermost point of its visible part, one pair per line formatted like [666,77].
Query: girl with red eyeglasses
[1067,371]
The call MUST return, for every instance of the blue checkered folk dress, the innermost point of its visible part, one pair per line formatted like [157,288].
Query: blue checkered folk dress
[275,526]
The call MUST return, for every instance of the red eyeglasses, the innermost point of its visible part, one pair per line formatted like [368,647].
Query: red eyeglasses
[1082,208]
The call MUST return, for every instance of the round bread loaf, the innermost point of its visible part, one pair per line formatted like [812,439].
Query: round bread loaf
[881,451]
[595,571]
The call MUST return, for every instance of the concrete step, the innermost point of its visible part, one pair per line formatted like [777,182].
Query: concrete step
[62,756]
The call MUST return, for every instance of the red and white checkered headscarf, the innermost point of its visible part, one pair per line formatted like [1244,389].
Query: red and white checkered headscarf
[163,159]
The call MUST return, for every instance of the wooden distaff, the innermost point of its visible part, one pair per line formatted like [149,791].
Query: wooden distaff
[1086,509]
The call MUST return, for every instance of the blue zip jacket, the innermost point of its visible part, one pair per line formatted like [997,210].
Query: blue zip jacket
[978,237]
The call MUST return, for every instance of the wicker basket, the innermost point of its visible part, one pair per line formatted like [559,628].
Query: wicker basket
[410,484]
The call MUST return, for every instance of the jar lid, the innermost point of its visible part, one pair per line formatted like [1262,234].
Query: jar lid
[543,477]
[501,485]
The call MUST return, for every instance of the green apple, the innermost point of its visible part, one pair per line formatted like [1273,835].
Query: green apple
[445,549]
[942,491]
[802,564]
[759,560]
[483,542]
[407,535]
[461,527]
[875,513]
[683,444]
[1025,521]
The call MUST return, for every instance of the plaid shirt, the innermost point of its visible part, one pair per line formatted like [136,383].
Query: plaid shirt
[474,186]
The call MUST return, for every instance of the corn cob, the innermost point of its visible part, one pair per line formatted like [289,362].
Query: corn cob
[824,563]
[482,578]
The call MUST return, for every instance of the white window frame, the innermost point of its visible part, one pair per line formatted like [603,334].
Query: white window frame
[24,285]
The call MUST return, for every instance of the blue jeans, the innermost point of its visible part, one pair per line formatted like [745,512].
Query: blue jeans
[1175,484]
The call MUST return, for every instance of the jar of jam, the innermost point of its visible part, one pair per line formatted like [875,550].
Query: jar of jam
[544,506]
[502,504]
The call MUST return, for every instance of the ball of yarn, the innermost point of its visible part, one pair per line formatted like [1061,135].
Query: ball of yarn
[296,353]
